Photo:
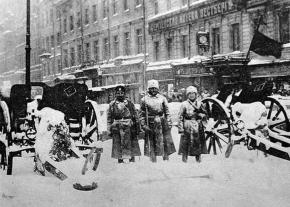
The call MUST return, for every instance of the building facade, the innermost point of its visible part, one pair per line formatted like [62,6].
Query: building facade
[186,42]
[219,30]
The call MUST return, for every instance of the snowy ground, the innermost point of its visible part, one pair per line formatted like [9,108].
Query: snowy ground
[247,178]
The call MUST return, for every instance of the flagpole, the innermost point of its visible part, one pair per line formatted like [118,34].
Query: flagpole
[246,77]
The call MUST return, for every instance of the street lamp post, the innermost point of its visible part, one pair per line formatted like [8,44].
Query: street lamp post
[27,47]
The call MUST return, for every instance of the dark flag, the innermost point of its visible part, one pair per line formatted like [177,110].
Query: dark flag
[263,45]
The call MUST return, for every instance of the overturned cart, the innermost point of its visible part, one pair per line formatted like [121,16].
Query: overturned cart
[68,99]
[223,130]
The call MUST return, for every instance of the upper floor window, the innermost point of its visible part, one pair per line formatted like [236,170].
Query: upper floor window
[184,45]
[104,8]
[156,9]
[80,54]
[51,15]
[114,6]
[116,46]
[284,27]
[168,4]
[65,25]
[52,41]
[88,51]
[235,37]
[58,38]
[216,41]
[47,43]
[47,17]
[138,2]
[184,2]
[94,13]
[156,51]
[127,43]
[106,48]
[87,16]
[96,50]
[169,45]
[65,57]
[125,3]
[139,40]
[58,15]
[71,22]
[79,19]
[72,56]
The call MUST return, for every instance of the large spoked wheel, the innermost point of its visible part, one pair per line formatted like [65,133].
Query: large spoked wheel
[278,120]
[218,126]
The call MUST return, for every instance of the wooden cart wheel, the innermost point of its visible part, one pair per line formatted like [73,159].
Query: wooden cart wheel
[218,127]
[277,116]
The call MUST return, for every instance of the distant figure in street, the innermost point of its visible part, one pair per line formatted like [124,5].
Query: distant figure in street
[156,122]
[205,94]
[123,127]
[192,139]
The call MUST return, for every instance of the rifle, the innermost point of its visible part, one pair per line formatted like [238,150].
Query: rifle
[152,157]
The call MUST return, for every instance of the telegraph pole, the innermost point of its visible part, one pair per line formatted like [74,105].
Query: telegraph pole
[27,46]
[145,48]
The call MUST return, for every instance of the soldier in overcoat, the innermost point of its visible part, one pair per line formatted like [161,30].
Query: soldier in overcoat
[192,139]
[156,122]
[123,126]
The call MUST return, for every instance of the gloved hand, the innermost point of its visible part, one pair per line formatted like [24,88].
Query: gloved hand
[109,133]
[181,131]
[146,128]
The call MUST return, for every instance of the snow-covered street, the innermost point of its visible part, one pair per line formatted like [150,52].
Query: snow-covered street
[247,178]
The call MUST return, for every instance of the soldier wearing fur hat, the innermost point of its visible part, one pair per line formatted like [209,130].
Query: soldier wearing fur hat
[192,139]
[156,122]
[123,127]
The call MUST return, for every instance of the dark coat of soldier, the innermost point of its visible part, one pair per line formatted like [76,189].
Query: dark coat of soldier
[156,122]
[192,139]
[123,127]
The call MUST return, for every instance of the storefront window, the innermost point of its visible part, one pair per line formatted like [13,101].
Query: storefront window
[284,27]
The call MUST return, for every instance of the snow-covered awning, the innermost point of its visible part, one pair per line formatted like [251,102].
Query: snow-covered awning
[45,55]
[267,60]
[103,88]
[66,77]
[192,60]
